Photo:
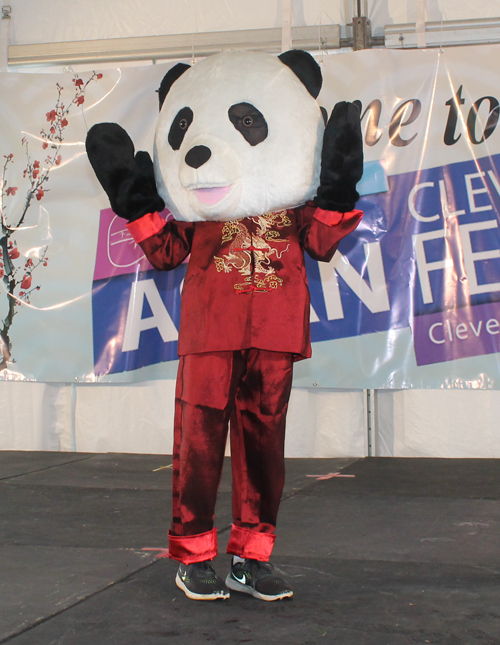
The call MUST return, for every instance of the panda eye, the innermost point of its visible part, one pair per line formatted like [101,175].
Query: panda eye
[179,127]
[247,119]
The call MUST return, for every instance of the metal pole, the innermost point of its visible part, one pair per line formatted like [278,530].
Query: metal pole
[371,422]
[361,30]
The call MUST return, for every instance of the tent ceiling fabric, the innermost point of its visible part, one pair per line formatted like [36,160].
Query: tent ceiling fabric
[48,21]
[52,21]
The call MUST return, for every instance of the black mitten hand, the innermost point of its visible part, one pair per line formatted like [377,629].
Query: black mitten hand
[341,160]
[128,180]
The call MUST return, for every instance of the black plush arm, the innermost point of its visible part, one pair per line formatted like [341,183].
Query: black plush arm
[341,160]
[128,180]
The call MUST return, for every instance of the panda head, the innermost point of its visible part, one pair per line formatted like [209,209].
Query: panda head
[239,135]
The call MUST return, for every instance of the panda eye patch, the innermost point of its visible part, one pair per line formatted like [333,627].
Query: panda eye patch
[179,127]
[247,119]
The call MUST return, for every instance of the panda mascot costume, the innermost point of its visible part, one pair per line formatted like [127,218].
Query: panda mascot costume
[252,176]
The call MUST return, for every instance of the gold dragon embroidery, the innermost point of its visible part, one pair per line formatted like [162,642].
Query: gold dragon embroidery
[250,254]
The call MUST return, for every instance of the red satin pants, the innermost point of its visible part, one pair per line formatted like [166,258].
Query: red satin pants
[250,388]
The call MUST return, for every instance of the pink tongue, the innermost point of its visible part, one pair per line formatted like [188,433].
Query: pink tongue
[211,195]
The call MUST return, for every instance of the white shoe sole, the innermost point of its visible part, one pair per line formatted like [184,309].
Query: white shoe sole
[234,585]
[221,595]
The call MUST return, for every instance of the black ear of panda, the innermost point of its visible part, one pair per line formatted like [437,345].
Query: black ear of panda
[169,79]
[305,68]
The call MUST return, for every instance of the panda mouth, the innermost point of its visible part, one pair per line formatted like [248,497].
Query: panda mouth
[213,195]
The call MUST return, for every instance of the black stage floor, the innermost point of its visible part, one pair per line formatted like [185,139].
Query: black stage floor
[407,551]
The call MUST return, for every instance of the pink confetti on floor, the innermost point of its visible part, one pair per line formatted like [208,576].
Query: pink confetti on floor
[162,552]
[329,476]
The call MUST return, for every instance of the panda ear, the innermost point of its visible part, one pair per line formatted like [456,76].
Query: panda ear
[169,79]
[305,68]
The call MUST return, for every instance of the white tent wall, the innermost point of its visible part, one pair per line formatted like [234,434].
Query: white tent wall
[139,418]
[437,423]
[35,416]
[322,423]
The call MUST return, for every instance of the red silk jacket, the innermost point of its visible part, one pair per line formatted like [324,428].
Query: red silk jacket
[246,283]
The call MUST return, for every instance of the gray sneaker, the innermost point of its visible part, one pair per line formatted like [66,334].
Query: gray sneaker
[258,579]
[200,582]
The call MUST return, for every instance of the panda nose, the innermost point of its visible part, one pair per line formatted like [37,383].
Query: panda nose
[197,156]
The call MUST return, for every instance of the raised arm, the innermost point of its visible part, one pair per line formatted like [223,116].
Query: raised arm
[129,182]
[332,216]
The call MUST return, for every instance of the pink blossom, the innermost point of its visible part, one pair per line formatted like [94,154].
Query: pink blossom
[11,190]
[14,254]
[51,116]
[26,283]
[39,194]
[79,100]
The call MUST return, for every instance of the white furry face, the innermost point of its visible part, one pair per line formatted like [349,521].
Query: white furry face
[209,166]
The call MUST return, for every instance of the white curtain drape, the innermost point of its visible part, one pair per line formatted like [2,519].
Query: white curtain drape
[138,418]
[321,423]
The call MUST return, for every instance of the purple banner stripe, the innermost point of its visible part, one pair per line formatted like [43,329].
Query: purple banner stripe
[460,333]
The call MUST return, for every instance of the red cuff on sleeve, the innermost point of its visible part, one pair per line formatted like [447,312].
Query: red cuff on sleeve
[146,226]
[334,218]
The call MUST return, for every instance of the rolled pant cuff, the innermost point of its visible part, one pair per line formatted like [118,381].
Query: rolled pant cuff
[246,543]
[193,548]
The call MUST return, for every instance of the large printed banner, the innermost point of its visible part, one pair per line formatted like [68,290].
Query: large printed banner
[411,299]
